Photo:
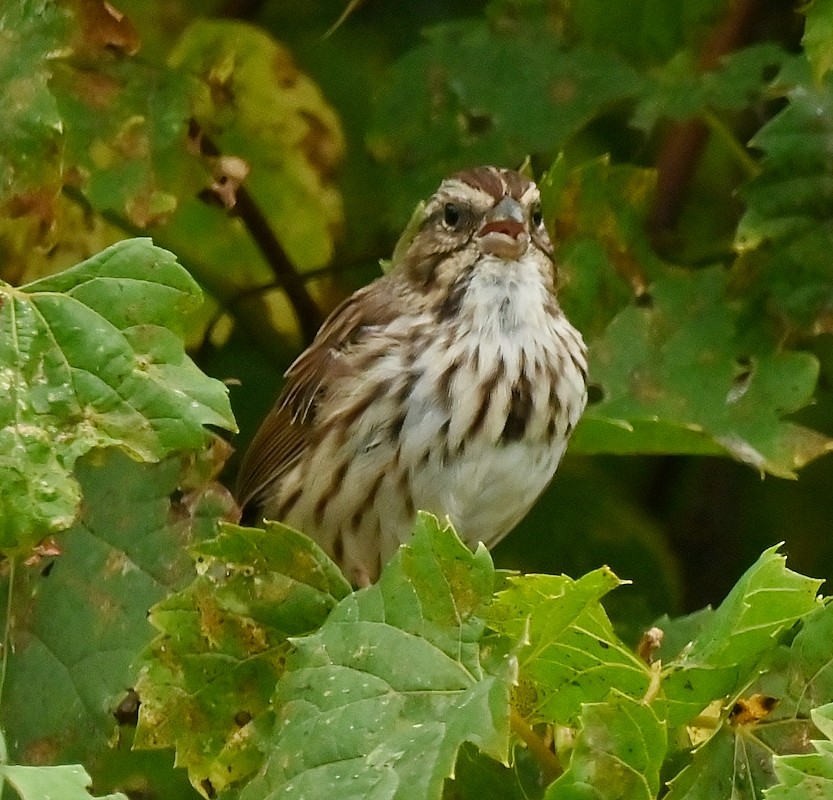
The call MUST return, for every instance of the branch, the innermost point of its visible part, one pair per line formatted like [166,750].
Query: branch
[240,9]
[308,314]
[547,760]
[248,307]
[6,644]
[683,145]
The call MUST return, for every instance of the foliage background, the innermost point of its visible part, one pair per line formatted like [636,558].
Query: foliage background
[343,132]
[686,148]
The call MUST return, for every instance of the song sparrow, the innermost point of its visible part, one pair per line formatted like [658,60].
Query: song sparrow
[451,384]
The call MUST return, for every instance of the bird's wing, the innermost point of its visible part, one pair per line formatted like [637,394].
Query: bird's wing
[285,433]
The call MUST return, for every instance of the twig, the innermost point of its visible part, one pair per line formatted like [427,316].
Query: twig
[683,144]
[247,307]
[7,632]
[741,155]
[240,9]
[547,760]
[351,6]
[308,313]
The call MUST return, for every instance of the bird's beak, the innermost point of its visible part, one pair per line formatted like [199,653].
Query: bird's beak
[504,232]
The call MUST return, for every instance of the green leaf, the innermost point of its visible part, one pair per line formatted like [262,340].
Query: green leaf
[597,212]
[378,702]
[808,776]
[681,90]
[786,231]
[454,101]
[620,748]
[87,360]
[643,30]
[799,675]
[726,766]
[676,376]
[578,537]
[132,139]
[131,283]
[125,124]
[678,362]
[796,677]
[223,646]
[571,654]
[68,782]
[79,619]
[31,34]
[818,36]
[767,600]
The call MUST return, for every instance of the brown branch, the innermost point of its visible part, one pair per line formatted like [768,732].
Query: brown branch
[308,314]
[240,9]
[684,142]
[248,308]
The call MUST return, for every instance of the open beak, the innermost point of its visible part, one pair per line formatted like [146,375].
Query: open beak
[503,233]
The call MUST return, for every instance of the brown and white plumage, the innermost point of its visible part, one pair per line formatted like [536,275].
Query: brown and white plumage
[451,384]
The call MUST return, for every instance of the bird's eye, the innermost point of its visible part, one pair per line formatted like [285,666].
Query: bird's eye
[451,215]
[537,216]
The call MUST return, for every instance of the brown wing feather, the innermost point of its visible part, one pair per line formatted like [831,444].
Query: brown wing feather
[285,433]
[277,445]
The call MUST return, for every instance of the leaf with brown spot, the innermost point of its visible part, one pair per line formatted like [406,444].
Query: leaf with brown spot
[32,35]
[77,628]
[667,376]
[208,678]
[789,687]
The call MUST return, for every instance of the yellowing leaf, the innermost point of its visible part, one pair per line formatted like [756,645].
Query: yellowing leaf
[257,105]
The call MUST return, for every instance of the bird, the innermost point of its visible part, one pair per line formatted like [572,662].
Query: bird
[451,384]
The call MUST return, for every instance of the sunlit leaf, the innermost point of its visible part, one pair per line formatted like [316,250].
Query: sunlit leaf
[257,105]
[572,655]
[766,601]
